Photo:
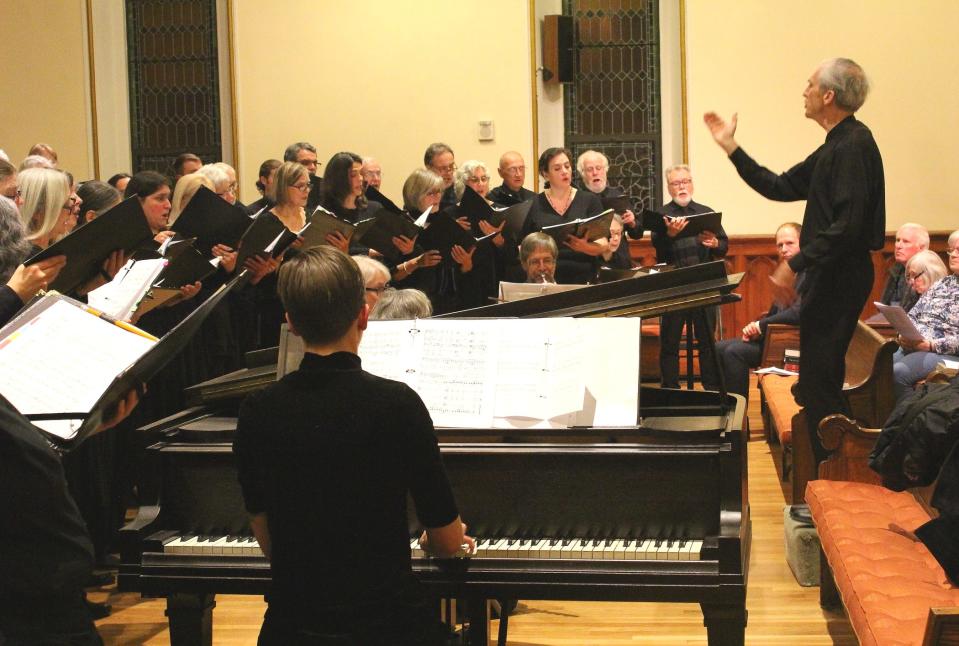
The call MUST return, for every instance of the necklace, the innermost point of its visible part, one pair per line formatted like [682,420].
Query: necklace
[559,209]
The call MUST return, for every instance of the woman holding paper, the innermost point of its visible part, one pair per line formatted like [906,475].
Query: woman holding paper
[343,197]
[561,203]
[936,316]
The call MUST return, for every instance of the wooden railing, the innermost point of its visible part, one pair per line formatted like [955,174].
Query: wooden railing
[755,255]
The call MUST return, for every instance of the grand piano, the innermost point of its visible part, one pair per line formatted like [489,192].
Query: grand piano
[655,512]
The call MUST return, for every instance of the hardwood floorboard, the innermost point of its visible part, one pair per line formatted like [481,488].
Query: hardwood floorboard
[780,611]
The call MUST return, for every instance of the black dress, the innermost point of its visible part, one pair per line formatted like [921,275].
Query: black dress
[572,267]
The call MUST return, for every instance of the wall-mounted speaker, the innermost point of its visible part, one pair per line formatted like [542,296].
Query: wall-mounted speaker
[557,49]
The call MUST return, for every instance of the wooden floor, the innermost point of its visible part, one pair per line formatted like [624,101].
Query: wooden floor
[780,611]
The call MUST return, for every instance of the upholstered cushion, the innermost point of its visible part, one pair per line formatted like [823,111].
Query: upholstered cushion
[781,405]
[887,581]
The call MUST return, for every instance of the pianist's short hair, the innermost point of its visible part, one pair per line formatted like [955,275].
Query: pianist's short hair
[293,150]
[322,291]
[534,242]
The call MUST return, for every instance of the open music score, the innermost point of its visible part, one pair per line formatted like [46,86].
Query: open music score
[505,372]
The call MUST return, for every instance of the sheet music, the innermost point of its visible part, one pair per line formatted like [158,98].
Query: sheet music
[900,320]
[63,361]
[120,296]
[509,292]
[456,371]
[610,371]
[386,350]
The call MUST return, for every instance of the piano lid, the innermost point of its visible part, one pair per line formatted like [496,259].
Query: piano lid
[648,295]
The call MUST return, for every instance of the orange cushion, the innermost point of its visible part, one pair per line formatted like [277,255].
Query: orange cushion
[781,405]
[887,581]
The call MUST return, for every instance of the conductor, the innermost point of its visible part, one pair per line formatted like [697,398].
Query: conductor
[326,457]
[845,217]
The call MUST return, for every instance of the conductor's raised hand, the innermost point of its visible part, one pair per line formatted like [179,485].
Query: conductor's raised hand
[784,285]
[27,280]
[723,132]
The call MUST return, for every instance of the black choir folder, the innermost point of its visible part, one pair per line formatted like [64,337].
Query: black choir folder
[619,203]
[65,366]
[505,373]
[593,227]
[696,224]
[211,220]
[475,208]
[123,227]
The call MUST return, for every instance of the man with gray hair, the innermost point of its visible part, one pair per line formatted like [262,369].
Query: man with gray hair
[303,152]
[440,159]
[911,238]
[537,256]
[843,184]
[372,173]
[593,168]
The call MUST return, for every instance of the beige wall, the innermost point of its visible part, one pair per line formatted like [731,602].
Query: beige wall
[383,78]
[754,56]
[43,65]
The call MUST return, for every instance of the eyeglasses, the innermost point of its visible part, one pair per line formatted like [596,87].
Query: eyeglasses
[301,187]
[379,290]
[914,275]
[681,182]
[373,173]
[515,170]
[478,180]
[230,189]
[435,191]
[594,169]
[954,251]
[447,169]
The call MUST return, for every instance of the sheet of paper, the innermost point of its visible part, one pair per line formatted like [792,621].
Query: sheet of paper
[509,292]
[611,372]
[772,370]
[120,296]
[387,350]
[457,371]
[899,320]
[64,359]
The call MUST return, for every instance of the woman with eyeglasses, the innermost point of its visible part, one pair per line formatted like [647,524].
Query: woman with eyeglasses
[490,261]
[560,202]
[343,197]
[936,317]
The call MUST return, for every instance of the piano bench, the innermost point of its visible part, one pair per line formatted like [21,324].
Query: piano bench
[894,591]
[779,408]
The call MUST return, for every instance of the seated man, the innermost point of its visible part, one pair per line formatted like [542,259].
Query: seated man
[537,256]
[737,356]
[910,239]
[326,457]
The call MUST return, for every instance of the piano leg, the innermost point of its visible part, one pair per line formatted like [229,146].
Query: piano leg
[725,624]
[478,613]
[191,619]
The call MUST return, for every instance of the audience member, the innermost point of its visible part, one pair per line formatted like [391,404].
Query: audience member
[559,203]
[936,317]
[924,270]
[737,356]
[910,239]
[512,170]
[681,251]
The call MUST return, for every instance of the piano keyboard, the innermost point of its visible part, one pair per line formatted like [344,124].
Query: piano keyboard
[613,549]
[499,548]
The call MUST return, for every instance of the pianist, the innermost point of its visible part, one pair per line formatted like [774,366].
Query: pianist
[537,256]
[326,457]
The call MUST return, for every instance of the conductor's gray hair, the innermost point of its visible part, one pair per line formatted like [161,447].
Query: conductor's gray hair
[14,247]
[676,167]
[847,80]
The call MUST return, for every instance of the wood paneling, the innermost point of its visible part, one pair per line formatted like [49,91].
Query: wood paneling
[755,255]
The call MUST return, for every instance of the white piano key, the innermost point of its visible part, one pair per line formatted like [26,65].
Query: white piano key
[609,550]
[662,550]
[525,548]
[498,549]
[629,553]
[540,550]
[482,547]
[645,549]
[232,545]
[218,545]
[174,545]
[674,551]
[695,550]
[619,549]
[555,550]
[570,550]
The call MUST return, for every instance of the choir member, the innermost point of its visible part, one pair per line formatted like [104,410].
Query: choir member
[263,183]
[439,159]
[512,169]
[185,164]
[186,187]
[343,197]
[96,199]
[372,173]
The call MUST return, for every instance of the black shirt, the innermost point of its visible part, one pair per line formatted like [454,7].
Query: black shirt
[843,184]
[329,453]
[10,304]
[262,203]
[353,216]
[504,196]
[636,230]
[571,266]
[687,251]
[45,551]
